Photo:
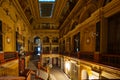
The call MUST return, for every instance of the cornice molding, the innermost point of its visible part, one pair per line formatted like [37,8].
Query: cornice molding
[32,7]
[58,9]
[21,12]
[59,5]
[46,31]
[112,8]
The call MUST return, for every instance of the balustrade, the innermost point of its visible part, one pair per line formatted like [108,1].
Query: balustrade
[111,60]
[102,58]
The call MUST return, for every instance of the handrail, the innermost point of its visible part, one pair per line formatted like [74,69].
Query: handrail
[108,59]
[96,62]
[86,55]
[112,60]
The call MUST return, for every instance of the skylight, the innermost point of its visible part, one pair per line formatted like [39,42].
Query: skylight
[46,8]
[46,0]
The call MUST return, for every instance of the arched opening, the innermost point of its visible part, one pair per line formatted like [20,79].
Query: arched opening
[37,48]
[46,39]
[55,40]
[84,75]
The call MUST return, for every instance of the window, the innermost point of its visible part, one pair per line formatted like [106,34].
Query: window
[36,40]
[46,8]
[55,40]
[46,50]
[55,50]
[46,39]
[77,42]
[45,26]
[98,36]
[114,34]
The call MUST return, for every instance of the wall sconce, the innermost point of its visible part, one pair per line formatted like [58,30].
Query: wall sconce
[88,40]
[8,40]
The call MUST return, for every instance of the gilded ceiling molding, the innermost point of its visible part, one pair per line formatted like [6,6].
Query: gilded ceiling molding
[31,2]
[72,13]
[59,6]
[78,10]
[21,12]
[110,10]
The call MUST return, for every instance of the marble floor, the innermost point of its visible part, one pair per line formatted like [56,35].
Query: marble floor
[59,74]
[56,72]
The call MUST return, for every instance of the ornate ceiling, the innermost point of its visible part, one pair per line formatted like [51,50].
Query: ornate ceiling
[46,15]
[57,14]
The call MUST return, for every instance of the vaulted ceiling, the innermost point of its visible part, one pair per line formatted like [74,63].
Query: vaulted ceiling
[46,14]
[56,14]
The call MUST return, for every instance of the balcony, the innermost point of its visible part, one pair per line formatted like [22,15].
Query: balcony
[112,60]
[8,56]
[101,58]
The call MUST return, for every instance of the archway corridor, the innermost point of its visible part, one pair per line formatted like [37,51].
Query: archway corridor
[39,74]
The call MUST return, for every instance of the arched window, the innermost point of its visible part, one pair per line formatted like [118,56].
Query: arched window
[55,40]
[46,39]
[55,50]
[36,40]
[37,48]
